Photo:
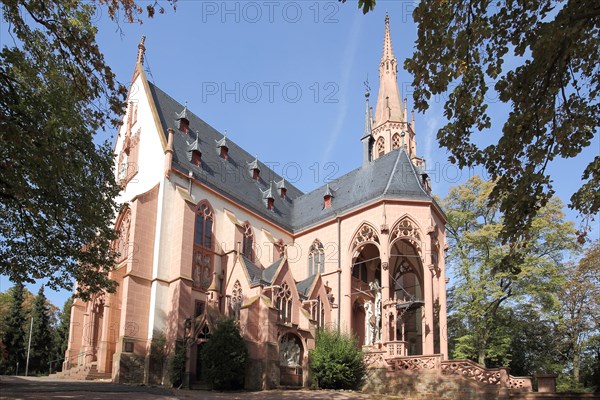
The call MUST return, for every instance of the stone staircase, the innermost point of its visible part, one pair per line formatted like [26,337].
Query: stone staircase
[87,373]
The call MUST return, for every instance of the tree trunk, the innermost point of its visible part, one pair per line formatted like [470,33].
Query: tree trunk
[481,356]
[576,365]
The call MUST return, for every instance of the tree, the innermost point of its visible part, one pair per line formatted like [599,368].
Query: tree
[224,356]
[14,336]
[579,319]
[61,336]
[337,361]
[483,281]
[57,186]
[42,342]
[469,49]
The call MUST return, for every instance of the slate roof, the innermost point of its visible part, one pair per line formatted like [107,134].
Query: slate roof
[305,285]
[392,175]
[258,275]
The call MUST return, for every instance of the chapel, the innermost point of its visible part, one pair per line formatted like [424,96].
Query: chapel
[206,229]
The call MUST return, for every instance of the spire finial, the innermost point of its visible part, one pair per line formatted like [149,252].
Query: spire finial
[367,87]
[388,53]
[141,51]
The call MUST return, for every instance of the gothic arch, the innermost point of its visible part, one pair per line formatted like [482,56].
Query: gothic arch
[406,228]
[365,234]
[396,141]
[380,146]
[316,258]
[204,211]
[203,246]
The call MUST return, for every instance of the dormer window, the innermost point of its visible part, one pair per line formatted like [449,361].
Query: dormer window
[254,169]
[327,197]
[224,153]
[282,192]
[196,157]
[184,125]
[270,203]
[184,122]
[222,148]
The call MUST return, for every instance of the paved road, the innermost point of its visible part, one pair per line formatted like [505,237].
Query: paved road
[43,388]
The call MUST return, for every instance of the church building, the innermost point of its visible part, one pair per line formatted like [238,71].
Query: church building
[207,229]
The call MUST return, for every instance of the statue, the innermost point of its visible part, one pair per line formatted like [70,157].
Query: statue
[289,352]
[376,288]
[369,323]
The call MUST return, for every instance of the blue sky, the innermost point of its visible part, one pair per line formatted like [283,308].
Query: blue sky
[285,79]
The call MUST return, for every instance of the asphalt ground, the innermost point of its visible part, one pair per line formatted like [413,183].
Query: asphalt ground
[44,388]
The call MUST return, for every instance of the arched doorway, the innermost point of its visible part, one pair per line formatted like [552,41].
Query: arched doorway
[291,355]
[406,281]
[365,287]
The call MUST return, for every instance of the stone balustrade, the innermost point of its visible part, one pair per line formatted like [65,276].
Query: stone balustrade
[397,348]
[392,358]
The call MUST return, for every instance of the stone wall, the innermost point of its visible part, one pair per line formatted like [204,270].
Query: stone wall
[131,368]
[422,385]
[433,385]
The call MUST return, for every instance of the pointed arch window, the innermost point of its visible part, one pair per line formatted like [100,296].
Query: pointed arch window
[284,303]
[396,141]
[316,258]
[248,241]
[318,313]
[202,262]
[203,232]
[380,146]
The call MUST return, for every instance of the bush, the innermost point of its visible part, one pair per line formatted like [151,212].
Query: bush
[177,365]
[336,361]
[224,357]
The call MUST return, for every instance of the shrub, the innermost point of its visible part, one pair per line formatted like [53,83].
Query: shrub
[177,365]
[224,357]
[336,361]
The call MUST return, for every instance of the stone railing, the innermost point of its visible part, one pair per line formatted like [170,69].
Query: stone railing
[414,363]
[471,370]
[492,376]
[520,383]
[396,348]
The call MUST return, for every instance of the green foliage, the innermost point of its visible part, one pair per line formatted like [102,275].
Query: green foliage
[541,60]
[177,366]
[578,323]
[224,356]
[14,336]
[61,336]
[42,343]
[336,362]
[490,275]
[57,186]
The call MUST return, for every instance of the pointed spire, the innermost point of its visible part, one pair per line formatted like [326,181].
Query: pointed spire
[389,104]
[368,126]
[141,51]
[388,52]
